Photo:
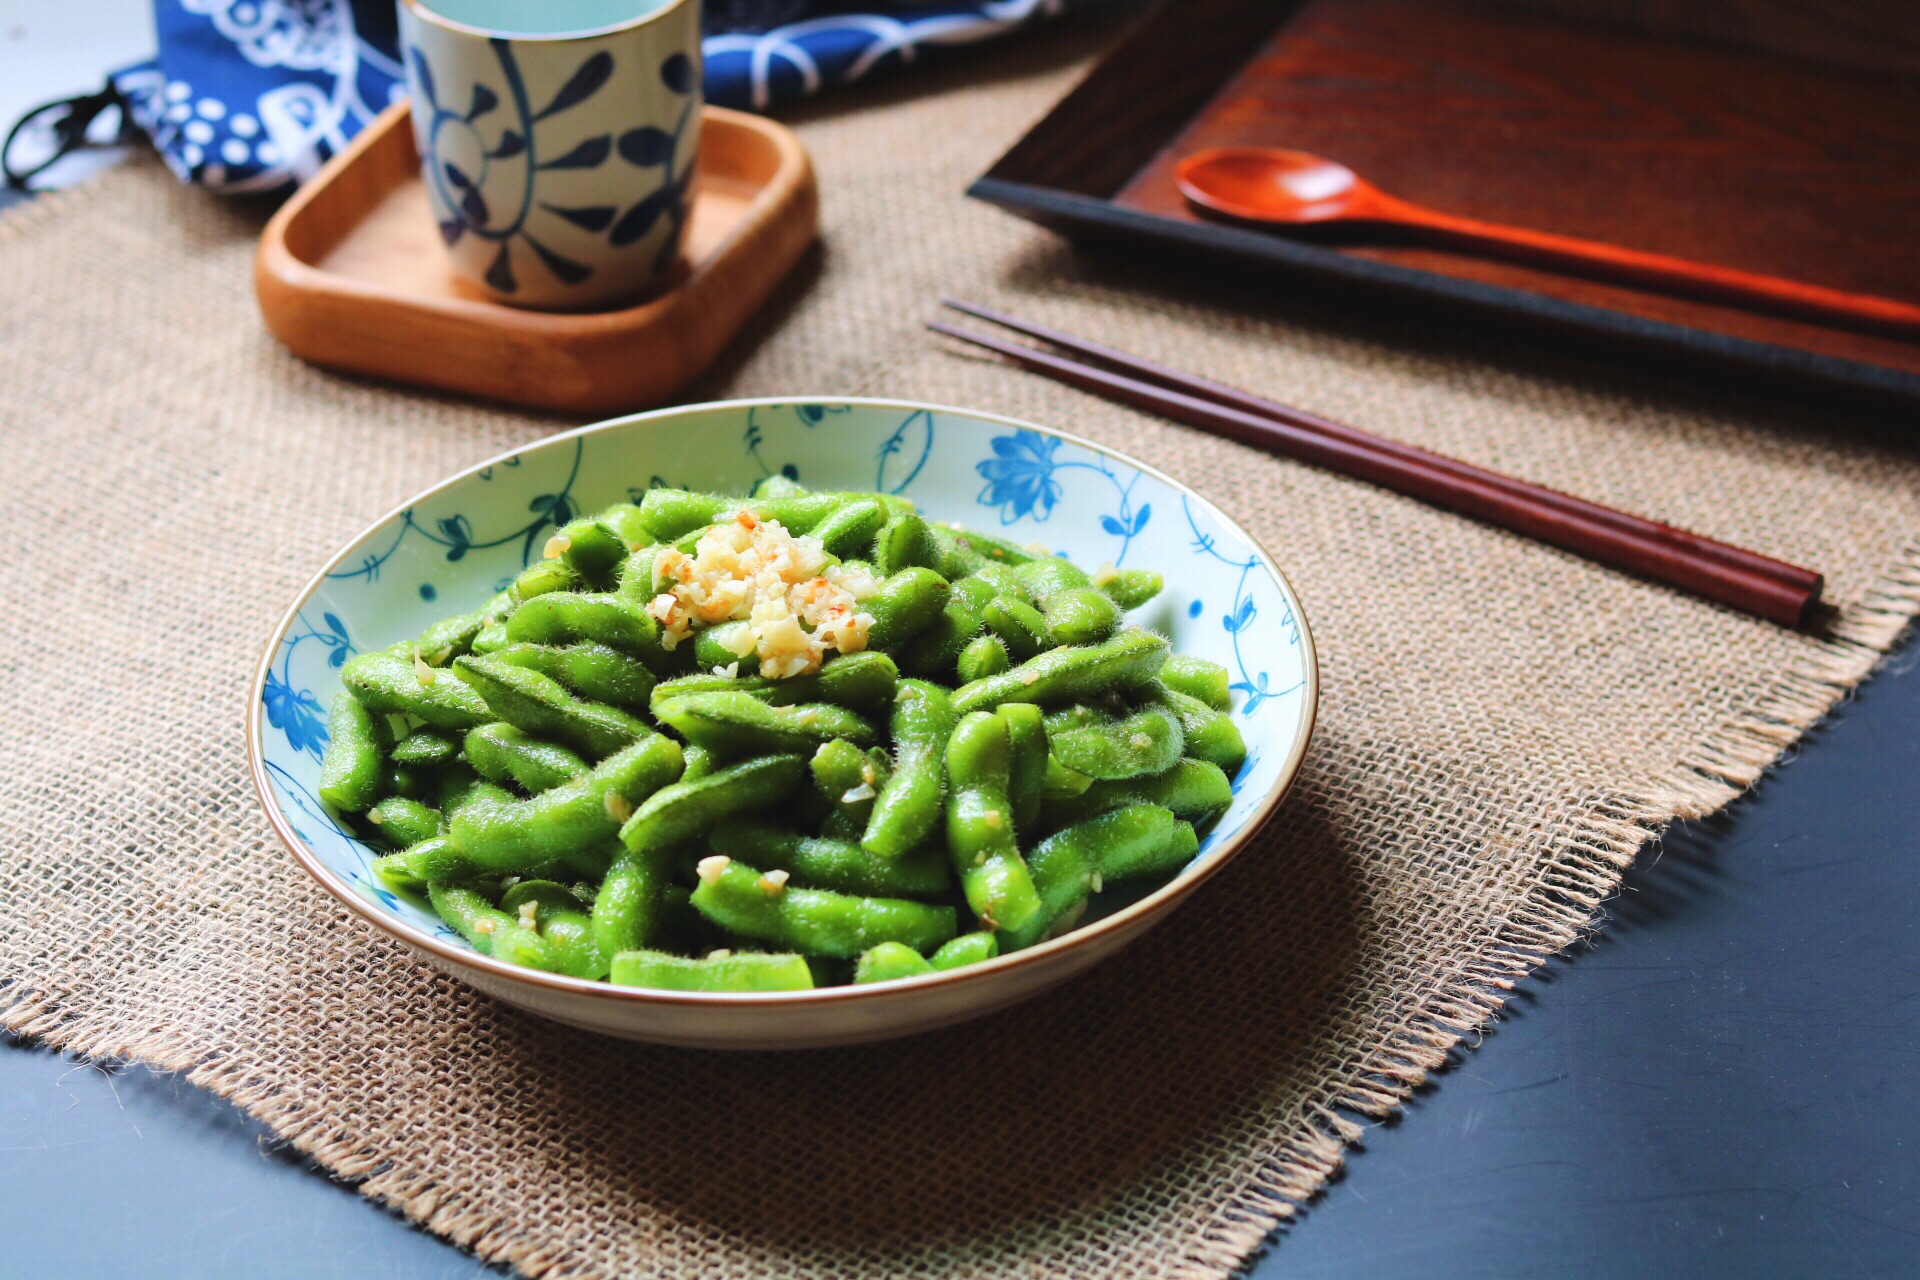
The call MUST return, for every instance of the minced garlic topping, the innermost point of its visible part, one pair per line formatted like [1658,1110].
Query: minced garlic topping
[797,607]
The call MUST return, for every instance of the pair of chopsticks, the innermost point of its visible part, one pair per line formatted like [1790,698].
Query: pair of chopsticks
[1717,571]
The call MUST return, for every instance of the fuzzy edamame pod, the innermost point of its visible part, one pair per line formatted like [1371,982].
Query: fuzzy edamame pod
[907,603]
[560,919]
[1141,840]
[813,921]
[1193,789]
[933,653]
[1069,674]
[1026,762]
[393,682]
[355,763]
[624,519]
[1210,735]
[1062,783]
[515,835]
[541,577]
[700,762]
[1198,678]
[671,514]
[541,706]
[1075,610]
[1129,588]
[723,646]
[850,531]
[981,841]
[777,485]
[432,861]
[888,961]
[862,681]
[903,543]
[734,724]
[910,803]
[816,862]
[1148,741]
[491,931]
[560,617]
[734,971]
[591,549]
[501,753]
[850,779]
[984,656]
[424,747]
[492,638]
[1019,626]
[447,639]
[594,671]
[964,550]
[403,822]
[683,812]
[968,948]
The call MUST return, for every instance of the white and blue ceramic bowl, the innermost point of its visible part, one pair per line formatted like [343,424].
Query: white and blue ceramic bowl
[456,544]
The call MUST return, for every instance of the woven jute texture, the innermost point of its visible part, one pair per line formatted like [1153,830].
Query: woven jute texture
[1502,726]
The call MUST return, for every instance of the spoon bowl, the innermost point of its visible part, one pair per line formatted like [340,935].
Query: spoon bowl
[1262,184]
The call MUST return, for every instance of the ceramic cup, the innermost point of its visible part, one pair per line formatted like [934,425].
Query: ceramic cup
[557,140]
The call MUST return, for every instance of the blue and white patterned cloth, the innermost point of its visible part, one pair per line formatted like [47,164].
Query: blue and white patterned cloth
[254,95]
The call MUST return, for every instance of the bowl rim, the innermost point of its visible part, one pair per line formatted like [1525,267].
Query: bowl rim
[1156,903]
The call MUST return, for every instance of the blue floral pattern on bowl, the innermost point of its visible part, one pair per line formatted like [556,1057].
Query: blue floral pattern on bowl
[456,545]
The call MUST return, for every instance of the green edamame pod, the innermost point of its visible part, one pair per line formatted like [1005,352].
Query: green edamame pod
[861,681]
[902,543]
[542,577]
[491,638]
[447,639]
[516,835]
[1198,678]
[1075,610]
[907,603]
[1192,789]
[1027,763]
[850,779]
[627,908]
[1019,626]
[971,548]
[424,747]
[1061,783]
[968,948]
[671,514]
[624,519]
[735,971]
[1148,741]
[910,803]
[700,762]
[403,823]
[561,920]
[541,706]
[888,961]
[355,763]
[638,585]
[1129,588]
[560,617]
[850,531]
[393,682]
[1062,867]
[981,841]
[415,782]
[1069,674]
[1210,735]
[726,645]
[394,872]
[984,656]
[822,863]
[432,861]
[591,549]
[452,785]
[777,485]
[933,653]
[734,724]
[683,812]
[813,921]
[502,753]
[805,512]
[594,671]
[491,931]
[1140,840]
[1077,716]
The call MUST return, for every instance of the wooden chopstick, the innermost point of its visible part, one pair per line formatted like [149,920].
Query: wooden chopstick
[1220,393]
[1727,575]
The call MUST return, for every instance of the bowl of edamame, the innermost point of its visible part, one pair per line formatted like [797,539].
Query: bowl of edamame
[779,723]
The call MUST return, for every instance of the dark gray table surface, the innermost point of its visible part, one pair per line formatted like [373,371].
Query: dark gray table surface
[1722,1085]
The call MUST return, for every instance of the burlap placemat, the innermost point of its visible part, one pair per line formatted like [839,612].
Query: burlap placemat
[1501,727]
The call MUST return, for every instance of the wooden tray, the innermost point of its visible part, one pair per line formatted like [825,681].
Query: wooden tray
[351,274]
[1513,115]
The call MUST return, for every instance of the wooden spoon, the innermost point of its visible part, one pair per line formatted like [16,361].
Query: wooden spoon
[1293,188]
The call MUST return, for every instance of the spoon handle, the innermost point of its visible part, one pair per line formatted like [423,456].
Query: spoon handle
[1658,272]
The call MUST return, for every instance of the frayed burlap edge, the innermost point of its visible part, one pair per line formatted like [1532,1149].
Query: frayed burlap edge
[1589,855]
